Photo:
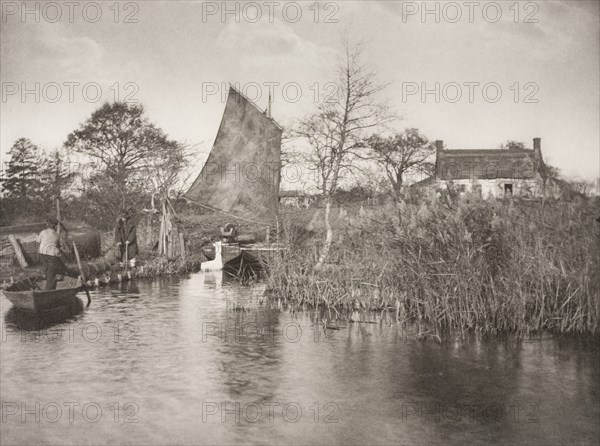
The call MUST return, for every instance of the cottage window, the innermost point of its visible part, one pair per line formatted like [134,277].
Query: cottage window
[508,190]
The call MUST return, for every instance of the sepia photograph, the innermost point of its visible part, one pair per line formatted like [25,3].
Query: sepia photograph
[292,223]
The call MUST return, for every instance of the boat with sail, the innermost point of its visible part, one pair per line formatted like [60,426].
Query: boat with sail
[240,178]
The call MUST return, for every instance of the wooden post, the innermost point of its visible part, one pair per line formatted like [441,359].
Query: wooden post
[169,239]
[58,216]
[161,235]
[268,234]
[126,256]
[165,239]
[182,245]
[17,249]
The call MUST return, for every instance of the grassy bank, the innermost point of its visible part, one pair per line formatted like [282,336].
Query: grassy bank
[107,270]
[467,266]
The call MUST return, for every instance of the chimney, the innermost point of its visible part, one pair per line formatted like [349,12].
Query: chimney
[537,148]
[439,145]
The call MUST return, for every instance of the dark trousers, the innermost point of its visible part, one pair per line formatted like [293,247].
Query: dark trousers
[131,251]
[52,266]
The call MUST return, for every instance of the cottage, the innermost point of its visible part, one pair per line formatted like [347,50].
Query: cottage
[295,198]
[500,173]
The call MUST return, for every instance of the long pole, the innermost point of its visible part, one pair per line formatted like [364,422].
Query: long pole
[126,256]
[60,245]
[84,286]
[210,208]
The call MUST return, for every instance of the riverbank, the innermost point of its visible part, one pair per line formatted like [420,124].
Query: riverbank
[101,271]
[461,267]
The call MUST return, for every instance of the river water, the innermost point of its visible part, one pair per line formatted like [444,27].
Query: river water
[172,362]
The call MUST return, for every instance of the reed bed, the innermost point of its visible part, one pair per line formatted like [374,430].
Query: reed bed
[469,266]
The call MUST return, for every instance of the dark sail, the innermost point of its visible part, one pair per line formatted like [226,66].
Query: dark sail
[241,174]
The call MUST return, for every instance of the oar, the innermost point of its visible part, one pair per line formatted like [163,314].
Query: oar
[85,288]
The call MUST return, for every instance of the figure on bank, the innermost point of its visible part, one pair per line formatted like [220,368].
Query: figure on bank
[229,233]
[50,245]
[126,239]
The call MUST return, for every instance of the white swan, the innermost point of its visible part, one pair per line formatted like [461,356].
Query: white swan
[217,263]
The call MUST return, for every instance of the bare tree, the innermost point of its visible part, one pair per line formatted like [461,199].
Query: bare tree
[403,154]
[336,131]
[163,172]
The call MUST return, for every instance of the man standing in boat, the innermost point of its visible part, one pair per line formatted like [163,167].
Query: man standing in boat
[50,243]
[126,239]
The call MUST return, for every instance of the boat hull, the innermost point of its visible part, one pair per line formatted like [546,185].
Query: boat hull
[251,259]
[39,300]
[240,260]
[243,265]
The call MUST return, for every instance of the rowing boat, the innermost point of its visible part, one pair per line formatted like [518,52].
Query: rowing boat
[28,295]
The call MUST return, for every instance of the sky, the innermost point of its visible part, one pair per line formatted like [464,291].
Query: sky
[471,74]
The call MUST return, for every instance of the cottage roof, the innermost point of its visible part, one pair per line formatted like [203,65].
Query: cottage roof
[488,164]
[429,181]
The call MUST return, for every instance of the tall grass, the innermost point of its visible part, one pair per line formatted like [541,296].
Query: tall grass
[471,266]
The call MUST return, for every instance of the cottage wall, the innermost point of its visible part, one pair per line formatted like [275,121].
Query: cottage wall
[497,188]
[290,201]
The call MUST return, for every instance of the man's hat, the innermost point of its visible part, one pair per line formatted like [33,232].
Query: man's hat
[52,221]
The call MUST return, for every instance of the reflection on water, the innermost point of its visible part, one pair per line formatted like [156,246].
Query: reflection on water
[205,361]
[28,321]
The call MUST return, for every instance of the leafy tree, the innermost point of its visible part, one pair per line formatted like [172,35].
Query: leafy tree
[336,130]
[104,199]
[22,180]
[512,145]
[403,154]
[134,157]
[551,172]
[565,188]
